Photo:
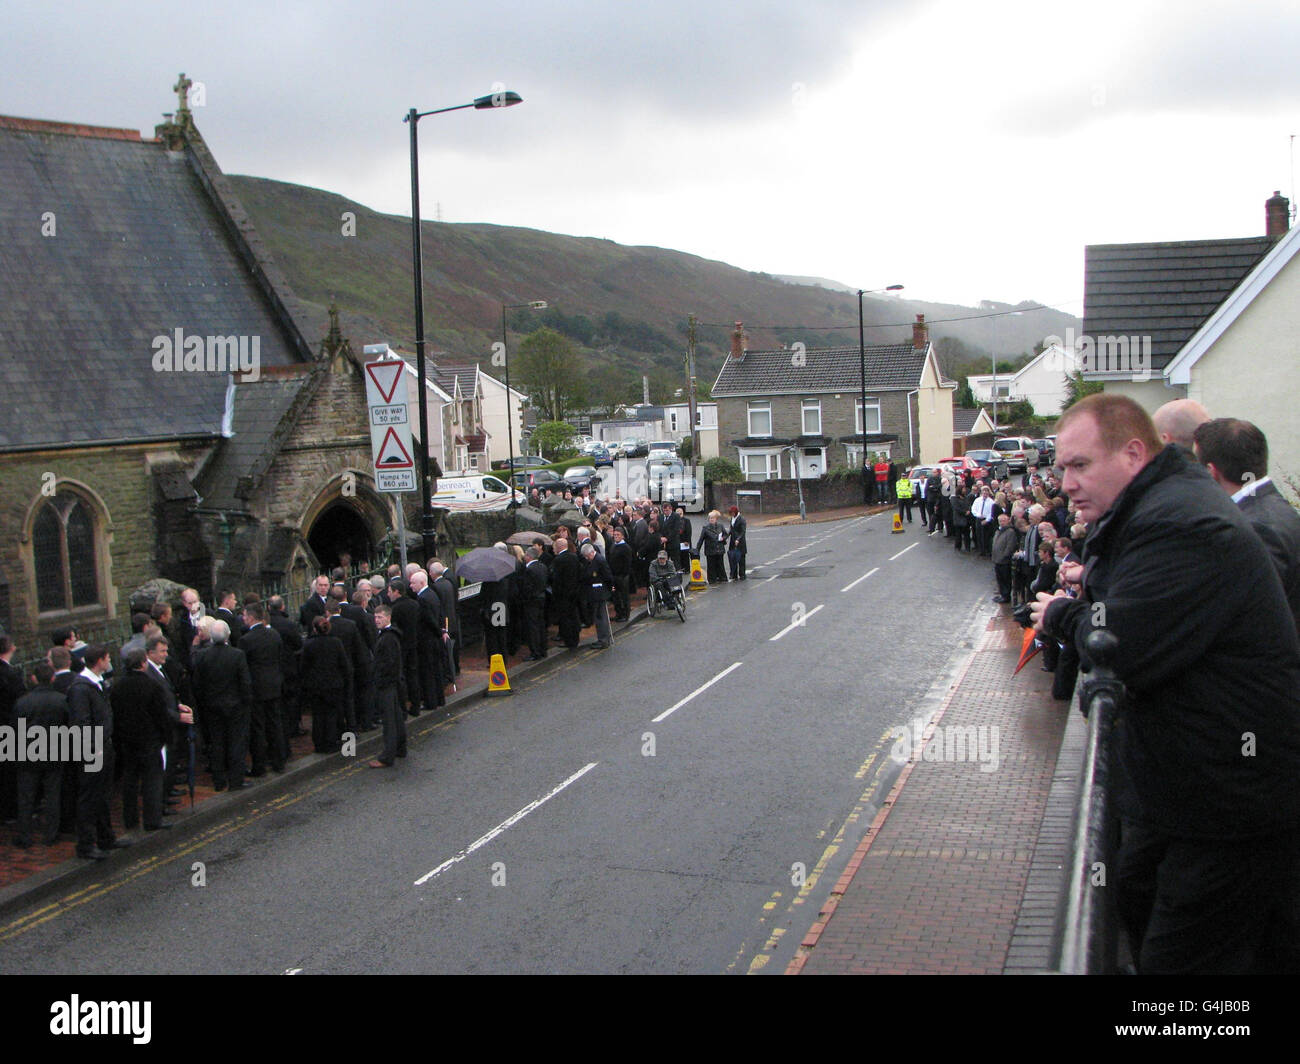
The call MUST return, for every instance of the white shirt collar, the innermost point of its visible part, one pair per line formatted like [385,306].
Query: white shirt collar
[1250,487]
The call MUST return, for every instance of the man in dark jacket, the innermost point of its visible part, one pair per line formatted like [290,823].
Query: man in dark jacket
[41,708]
[290,646]
[390,694]
[405,612]
[598,582]
[89,709]
[1208,737]
[441,582]
[566,585]
[622,560]
[224,690]
[264,649]
[533,584]
[142,727]
[1236,454]
[430,632]
[737,546]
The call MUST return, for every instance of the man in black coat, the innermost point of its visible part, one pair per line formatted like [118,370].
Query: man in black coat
[290,647]
[142,728]
[597,584]
[566,586]
[390,692]
[264,649]
[429,637]
[89,709]
[315,605]
[737,546]
[12,688]
[405,612]
[1207,783]
[224,690]
[443,584]
[1236,454]
[356,612]
[227,603]
[533,585]
[41,708]
[621,560]
[349,635]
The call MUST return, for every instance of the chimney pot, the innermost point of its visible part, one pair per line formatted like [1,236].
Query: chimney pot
[920,333]
[738,342]
[1277,215]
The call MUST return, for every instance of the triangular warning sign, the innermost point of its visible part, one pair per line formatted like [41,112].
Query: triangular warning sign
[392,455]
[386,375]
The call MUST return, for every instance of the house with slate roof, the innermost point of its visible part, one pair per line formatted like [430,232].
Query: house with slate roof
[163,412]
[773,405]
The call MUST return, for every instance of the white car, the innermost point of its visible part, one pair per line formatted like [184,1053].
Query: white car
[1018,452]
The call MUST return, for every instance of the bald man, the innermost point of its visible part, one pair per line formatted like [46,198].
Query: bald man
[1177,421]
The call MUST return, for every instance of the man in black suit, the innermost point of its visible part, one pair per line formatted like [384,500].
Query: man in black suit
[533,594]
[227,602]
[622,560]
[390,693]
[346,632]
[405,613]
[566,587]
[1236,454]
[142,728]
[430,652]
[12,688]
[290,648]
[224,690]
[363,689]
[185,626]
[737,547]
[264,649]
[315,605]
[41,707]
[89,709]
[446,588]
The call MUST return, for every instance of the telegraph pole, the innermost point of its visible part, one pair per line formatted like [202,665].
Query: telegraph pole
[690,392]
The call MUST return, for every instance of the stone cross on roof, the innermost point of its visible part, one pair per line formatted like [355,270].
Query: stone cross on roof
[182,90]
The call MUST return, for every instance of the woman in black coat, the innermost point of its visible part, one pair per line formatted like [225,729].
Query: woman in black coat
[713,538]
[326,685]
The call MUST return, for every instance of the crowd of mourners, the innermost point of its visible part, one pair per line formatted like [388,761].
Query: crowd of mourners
[216,694]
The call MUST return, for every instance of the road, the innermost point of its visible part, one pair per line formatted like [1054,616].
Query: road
[680,803]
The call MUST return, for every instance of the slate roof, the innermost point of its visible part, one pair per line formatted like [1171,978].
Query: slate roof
[828,369]
[963,419]
[448,377]
[1163,290]
[260,421]
[139,251]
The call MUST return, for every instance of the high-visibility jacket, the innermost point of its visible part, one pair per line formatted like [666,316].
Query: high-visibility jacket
[903,488]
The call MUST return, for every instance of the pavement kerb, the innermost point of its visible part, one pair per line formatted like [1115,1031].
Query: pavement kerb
[77,872]
[811,938]
[818,516]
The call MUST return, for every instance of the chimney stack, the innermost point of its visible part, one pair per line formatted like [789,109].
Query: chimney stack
[738,342]
[920,333]
[1277,216]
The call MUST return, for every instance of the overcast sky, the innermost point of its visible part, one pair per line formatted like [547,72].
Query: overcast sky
[967,150]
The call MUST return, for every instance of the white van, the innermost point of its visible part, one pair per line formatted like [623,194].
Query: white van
[474,491]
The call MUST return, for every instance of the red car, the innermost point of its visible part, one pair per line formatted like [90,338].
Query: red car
[963,462]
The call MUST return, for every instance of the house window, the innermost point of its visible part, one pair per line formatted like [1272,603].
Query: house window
[672,420]
[761,465]
[873,416]
[760,418]
[812,417]
[63,550]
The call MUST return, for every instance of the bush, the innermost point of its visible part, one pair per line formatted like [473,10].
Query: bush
[723,471]
[685,449]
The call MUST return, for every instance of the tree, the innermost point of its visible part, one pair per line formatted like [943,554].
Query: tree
[553,439]
[547,367]
[1076,388]
[965,397]
[685,449]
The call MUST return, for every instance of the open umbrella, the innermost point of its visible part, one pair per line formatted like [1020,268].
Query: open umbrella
[1028,648]
[486,564]
[527,539]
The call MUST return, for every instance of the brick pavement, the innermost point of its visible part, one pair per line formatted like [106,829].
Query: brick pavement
[939,881]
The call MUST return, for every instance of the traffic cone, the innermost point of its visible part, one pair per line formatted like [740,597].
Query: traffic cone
[697,575]
[498,679]
[898,524]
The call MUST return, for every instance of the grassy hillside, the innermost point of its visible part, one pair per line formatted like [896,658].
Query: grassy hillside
[625,307]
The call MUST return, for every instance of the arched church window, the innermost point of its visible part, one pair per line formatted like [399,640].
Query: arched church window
[63,549]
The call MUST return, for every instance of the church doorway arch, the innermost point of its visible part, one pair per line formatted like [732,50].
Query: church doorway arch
[351,521]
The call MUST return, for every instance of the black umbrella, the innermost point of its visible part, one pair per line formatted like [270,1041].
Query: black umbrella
[486,564]
[527,539]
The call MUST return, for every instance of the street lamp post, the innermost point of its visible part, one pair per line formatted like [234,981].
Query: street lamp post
[483,103]
[862,370]
[534,304]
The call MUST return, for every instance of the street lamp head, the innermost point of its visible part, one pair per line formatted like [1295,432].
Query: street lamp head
[497,99]
[894,288]
[538,304]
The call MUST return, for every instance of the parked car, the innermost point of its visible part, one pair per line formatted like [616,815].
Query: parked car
[522,461]
[578,477]
[633,448]
[662,449]
[601,457]
[1019,451]
[991,461]
[963,462]
[1046,450]
[540,479]
[668,482]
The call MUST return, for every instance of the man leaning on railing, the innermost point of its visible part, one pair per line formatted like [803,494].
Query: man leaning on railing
[1207,778]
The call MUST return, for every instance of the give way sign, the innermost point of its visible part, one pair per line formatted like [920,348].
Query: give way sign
[391,451]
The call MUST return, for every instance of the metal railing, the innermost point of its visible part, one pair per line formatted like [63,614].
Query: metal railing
[1090,937]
